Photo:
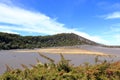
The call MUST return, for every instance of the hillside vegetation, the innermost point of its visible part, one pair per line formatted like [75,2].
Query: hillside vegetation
[102,70]
[14,41]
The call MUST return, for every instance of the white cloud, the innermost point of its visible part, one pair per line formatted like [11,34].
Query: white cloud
[117,36]
[35,22]
[30,21]
[8,31]
[115,39]
[113,34]
[114,15]
[115,29]
[93,38]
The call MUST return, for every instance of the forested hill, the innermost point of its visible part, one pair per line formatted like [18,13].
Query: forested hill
[14,41]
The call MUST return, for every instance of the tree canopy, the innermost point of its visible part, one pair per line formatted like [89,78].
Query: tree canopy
[15,41]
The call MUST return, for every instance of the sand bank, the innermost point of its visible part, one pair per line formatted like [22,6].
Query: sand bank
[64,51]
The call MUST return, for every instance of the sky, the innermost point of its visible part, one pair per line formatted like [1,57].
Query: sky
[97,20]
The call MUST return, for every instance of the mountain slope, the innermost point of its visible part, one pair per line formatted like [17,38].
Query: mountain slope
[14,41]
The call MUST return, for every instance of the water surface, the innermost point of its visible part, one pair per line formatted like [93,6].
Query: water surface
[15,59]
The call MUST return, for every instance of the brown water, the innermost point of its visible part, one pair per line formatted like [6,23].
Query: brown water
[15,59]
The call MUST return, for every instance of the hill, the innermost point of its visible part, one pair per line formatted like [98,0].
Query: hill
[15,41]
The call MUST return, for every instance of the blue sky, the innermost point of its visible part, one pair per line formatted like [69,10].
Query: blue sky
[97,20]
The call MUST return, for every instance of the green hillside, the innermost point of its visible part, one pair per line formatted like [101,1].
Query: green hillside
[14,41]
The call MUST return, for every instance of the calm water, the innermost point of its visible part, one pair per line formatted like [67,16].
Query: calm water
[15,59]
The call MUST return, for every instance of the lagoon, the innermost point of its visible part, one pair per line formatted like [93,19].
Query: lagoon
[14,59]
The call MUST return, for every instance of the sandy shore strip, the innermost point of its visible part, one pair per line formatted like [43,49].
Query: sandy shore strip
[64,51]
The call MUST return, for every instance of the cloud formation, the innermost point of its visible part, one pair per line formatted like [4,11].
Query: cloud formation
[24,20]
[113,34]
[114,15]
[14,19]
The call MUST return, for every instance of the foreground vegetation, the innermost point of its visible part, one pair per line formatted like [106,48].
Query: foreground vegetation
[102,70]
[14,41]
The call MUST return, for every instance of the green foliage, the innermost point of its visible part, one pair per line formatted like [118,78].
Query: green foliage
[9,76]
[14,41]
[64,71]
[63,64]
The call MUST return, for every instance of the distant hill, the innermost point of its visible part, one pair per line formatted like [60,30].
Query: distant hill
[14,41]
